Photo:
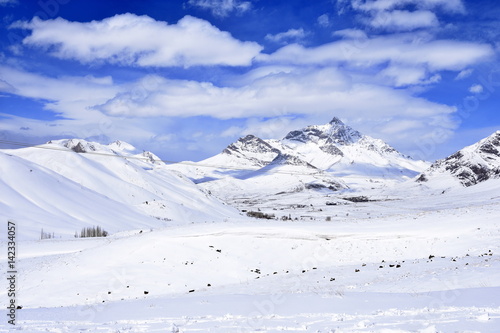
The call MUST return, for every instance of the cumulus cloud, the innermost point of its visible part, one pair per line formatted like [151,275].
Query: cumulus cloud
[128,39]
[287,36]
[222,8]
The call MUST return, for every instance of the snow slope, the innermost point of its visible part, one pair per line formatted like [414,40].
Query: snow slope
[38,198]
[469,166]
[75,183]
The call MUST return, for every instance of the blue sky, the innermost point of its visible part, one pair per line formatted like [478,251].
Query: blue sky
[185,78]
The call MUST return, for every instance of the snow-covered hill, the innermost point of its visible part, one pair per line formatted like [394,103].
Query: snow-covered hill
[469,166]
[66,185]
[350,155]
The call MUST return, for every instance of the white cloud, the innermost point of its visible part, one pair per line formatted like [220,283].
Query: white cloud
[464,74]
[403,20]
[354,34]
[407,50]
[404,76]
[129,39]
[69,95]
[279,97]
[476,89]
[394,15]
[324,20]
[222,8]
[6,87]
[231,132]
[8,3]
[287,36]
[450,6]
[72,99]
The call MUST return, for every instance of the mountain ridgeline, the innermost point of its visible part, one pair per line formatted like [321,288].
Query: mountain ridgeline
[332,156]
[328,147]
[469,166]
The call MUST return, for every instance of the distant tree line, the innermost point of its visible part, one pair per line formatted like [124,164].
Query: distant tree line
[91,232]
[46,235]
[260,215]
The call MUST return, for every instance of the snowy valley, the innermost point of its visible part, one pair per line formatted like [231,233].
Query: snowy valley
[356,237]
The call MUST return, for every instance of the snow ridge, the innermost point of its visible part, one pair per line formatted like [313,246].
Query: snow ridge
[471,165]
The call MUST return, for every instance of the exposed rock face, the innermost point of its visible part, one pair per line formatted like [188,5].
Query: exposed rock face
[287,159]
[79,146]
[335,132]
[256,150]
[472,165]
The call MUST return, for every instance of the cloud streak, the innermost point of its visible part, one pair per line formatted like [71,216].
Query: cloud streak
[402,49]
[287,36]
[4,3]
[449,6]
[403,20]
[222,8]
[401,15]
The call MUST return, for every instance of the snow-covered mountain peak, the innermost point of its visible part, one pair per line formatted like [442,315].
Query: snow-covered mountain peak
[336,121]
[249,143]
[334,149]
[149,157]
[334,132]
[249,151]
[76,145]
[471,165]
[490,145]
[122,146]
[83,146]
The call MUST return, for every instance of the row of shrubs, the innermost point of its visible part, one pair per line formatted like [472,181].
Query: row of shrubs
[95,231]
[92,232]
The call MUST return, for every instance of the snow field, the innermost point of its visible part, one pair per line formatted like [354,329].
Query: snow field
[397,274]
